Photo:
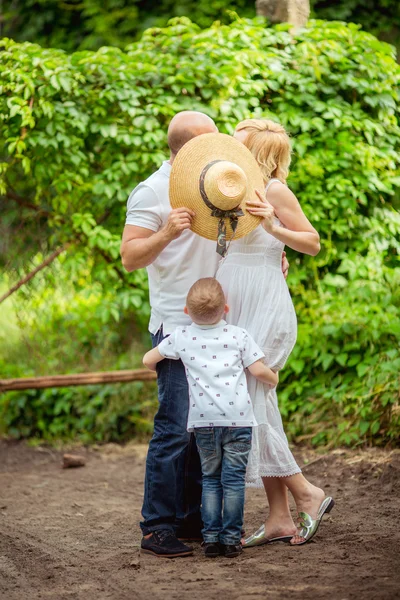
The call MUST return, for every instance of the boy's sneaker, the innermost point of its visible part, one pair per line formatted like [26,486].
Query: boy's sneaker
[164,544]
[212,549]
[231,550]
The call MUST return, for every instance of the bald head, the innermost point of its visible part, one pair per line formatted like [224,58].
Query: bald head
[186,125]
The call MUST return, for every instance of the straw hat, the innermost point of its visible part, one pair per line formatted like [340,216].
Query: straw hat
[214,175]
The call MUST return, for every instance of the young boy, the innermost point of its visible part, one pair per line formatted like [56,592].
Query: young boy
[215,356]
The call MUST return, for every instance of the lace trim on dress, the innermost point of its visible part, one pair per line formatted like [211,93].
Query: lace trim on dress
[256,482]
[270,454]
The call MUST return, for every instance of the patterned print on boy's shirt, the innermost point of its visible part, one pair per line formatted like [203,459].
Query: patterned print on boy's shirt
[215,358]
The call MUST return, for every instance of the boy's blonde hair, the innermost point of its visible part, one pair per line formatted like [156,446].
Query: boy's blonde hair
[206,301]
[270,145]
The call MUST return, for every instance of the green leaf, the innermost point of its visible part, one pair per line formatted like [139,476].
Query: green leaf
[297,365]
[362,369]
[342,359]
[375,426]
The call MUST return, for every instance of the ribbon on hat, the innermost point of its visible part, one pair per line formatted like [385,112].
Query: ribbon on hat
[233,214]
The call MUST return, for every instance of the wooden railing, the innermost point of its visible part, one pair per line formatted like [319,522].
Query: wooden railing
[49,381]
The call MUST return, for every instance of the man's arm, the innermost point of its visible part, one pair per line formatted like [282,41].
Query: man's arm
[141,246]
[152,358]
[264,373]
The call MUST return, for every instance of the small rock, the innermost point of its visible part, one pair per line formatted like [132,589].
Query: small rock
[72,461]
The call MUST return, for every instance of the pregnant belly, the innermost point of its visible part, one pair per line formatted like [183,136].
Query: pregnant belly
[260,302]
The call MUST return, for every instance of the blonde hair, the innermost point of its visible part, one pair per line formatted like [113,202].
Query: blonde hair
[270,145]
[206,301]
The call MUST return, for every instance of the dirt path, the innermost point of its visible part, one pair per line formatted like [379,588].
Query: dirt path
[73,534]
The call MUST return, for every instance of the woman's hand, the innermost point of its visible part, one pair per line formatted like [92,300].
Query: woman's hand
[285,265]
[262,208]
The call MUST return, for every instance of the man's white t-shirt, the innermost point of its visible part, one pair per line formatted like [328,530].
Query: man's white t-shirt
[215,358]
[184,261]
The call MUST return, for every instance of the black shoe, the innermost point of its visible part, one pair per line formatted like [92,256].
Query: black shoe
[212,549]
[164,543]
[231,550]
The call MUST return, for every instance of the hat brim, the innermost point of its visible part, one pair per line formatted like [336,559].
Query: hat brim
[184,188]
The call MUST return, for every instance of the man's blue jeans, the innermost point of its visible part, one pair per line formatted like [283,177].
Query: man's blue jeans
[172,491]
[224,452]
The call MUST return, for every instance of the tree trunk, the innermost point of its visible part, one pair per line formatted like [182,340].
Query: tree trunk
[295,12]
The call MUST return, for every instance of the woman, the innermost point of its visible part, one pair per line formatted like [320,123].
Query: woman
[254,285]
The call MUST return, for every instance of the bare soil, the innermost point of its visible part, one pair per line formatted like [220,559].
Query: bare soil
[72,534]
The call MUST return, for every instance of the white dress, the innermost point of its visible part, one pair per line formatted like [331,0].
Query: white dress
[259,300]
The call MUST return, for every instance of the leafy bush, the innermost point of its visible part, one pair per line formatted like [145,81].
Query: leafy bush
[342,385]
[80,131]
[380,17]
[89,24]
[106,413]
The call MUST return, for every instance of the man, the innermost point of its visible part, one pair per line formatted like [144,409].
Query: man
[159,238]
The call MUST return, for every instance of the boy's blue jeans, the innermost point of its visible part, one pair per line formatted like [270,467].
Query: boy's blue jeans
[224,452]
[172,490]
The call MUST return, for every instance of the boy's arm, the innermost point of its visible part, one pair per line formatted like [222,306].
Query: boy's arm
[252,357]
[264,373]
[151,358]
[165,349]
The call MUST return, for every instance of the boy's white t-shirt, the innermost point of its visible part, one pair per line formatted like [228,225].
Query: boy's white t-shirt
[215,357]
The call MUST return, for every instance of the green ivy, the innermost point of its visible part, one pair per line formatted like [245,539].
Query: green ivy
[107,413]
[90,24]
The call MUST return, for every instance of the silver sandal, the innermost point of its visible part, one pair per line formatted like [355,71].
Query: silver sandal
[259,539]
[309,526]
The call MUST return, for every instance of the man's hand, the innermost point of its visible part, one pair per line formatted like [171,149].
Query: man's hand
[140,246]
[285,265]
[179,219]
